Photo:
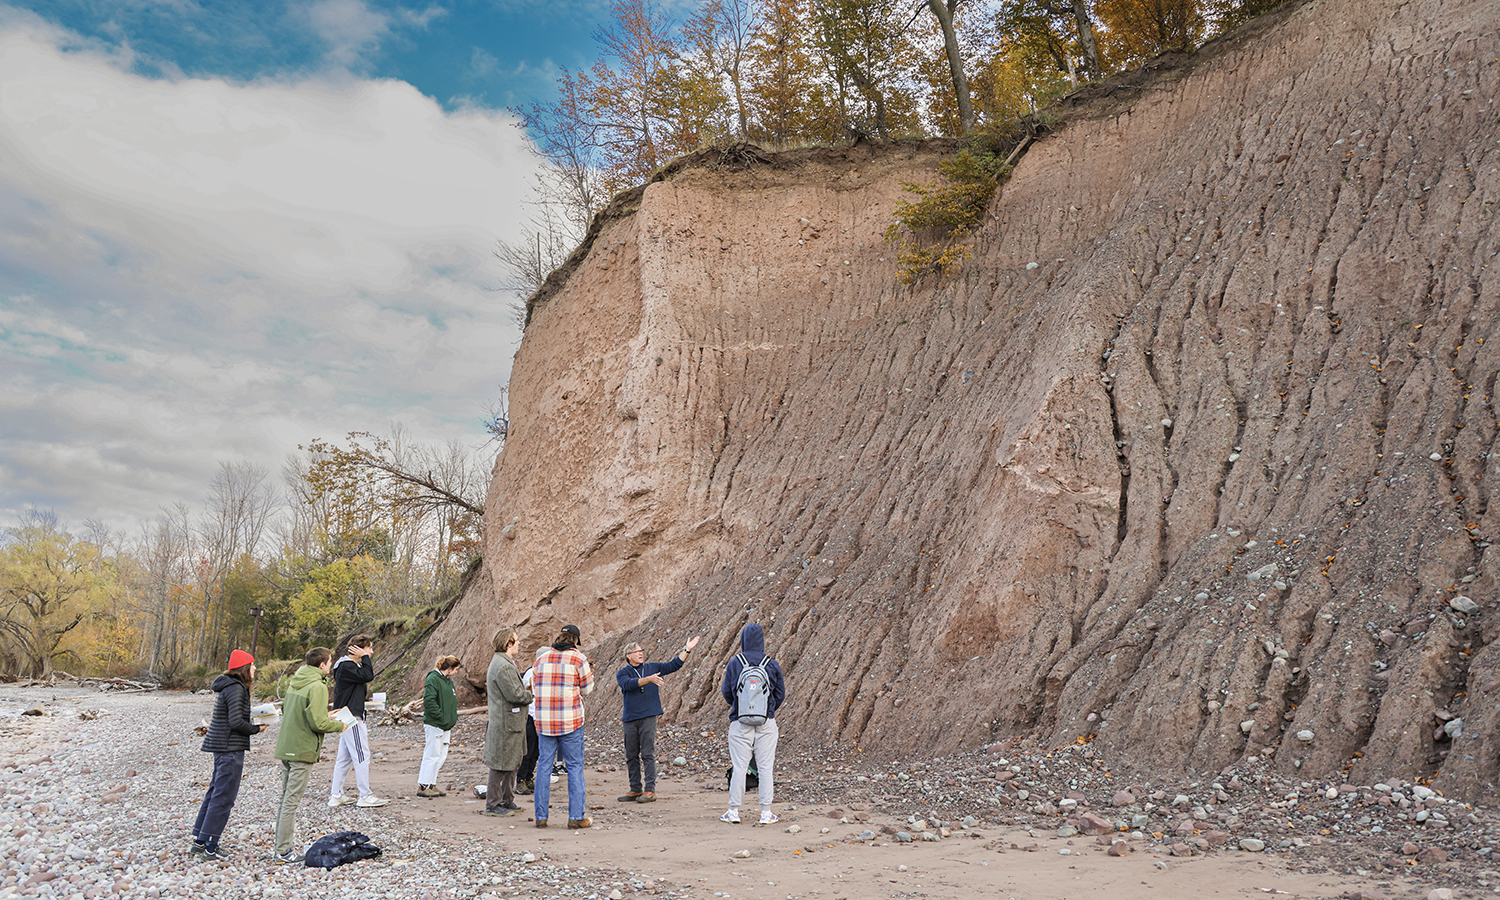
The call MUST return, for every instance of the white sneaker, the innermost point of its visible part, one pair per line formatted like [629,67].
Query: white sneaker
[339,800]
[370,800]
[732,817]
[554,780]
[769,818]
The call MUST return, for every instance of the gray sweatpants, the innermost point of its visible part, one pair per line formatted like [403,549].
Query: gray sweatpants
[759,740]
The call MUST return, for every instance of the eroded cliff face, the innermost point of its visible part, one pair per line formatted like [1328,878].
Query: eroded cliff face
[1195,455]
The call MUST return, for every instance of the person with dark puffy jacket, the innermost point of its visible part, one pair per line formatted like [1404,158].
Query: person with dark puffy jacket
[228,738]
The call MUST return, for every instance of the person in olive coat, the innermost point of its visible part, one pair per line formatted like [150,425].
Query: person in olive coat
[228,738]
[505,737]
[304,721]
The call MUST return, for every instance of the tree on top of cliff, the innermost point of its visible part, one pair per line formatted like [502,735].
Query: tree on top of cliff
[795,72]
[871,57]
[1138,30]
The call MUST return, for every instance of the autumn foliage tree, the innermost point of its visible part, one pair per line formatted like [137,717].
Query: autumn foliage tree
[787,73]
[1137,30]
[50,582]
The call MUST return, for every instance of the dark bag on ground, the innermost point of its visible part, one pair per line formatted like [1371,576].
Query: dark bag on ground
[333,850]
[752,776]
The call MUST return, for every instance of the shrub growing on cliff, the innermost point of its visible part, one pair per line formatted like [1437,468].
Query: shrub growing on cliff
[944,213]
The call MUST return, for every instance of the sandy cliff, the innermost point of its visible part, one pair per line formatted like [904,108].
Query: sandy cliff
[1195,455]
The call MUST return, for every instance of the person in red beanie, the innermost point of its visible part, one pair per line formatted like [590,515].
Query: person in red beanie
[228,738]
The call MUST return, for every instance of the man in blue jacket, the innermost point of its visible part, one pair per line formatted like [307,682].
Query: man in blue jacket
[639,683]
[745,740]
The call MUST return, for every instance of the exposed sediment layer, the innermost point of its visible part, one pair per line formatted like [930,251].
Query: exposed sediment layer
[1194,456]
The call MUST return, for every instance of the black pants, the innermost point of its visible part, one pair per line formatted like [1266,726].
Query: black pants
[528,762]
[222,791]
[640,754]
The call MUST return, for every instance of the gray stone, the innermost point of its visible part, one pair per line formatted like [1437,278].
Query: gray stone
[1464,605]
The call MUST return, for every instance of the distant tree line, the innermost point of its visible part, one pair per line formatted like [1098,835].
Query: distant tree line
[371,529]
[789,73]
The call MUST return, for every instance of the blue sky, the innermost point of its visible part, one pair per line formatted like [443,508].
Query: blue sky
[227,228]
[494,53]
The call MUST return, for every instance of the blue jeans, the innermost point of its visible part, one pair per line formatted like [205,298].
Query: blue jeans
[570,745]
[222,791]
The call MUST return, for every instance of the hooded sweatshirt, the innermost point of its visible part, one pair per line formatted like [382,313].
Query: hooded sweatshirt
[230,729]
[439,701]
[349,684]
[753,648]
[304,717]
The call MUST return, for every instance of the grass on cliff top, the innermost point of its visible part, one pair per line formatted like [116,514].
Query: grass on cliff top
[932,228]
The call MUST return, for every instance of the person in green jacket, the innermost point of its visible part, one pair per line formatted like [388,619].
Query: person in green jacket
[304,721]
[439,715]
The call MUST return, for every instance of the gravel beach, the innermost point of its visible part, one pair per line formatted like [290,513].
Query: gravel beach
[100,794]
[99,790]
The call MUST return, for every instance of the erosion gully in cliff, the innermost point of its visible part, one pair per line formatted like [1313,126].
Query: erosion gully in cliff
[1194,458]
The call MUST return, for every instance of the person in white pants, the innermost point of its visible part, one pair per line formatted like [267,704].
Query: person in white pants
[758,742]
[352,675]
[439,715]
[758,739]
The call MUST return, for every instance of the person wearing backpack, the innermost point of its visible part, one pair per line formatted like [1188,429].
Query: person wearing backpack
[753,688]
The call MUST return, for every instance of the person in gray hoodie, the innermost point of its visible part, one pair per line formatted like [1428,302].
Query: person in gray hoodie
[228,738]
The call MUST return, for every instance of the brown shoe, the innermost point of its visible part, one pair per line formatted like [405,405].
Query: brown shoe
[646,797]
[584,822]
[631,797]
[541,823]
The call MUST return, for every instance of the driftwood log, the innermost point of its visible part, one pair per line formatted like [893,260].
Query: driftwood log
[413,710]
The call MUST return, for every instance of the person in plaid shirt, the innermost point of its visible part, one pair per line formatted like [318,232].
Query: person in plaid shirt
[561,677]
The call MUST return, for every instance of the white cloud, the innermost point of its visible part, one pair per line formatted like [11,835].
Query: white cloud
[350,28]
[193,270]
[482,63]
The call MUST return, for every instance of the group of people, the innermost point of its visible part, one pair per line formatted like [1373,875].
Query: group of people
[305,719]
[535,719]
[551,694]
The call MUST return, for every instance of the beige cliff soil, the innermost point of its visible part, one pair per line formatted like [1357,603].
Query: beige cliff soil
[1194,459]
